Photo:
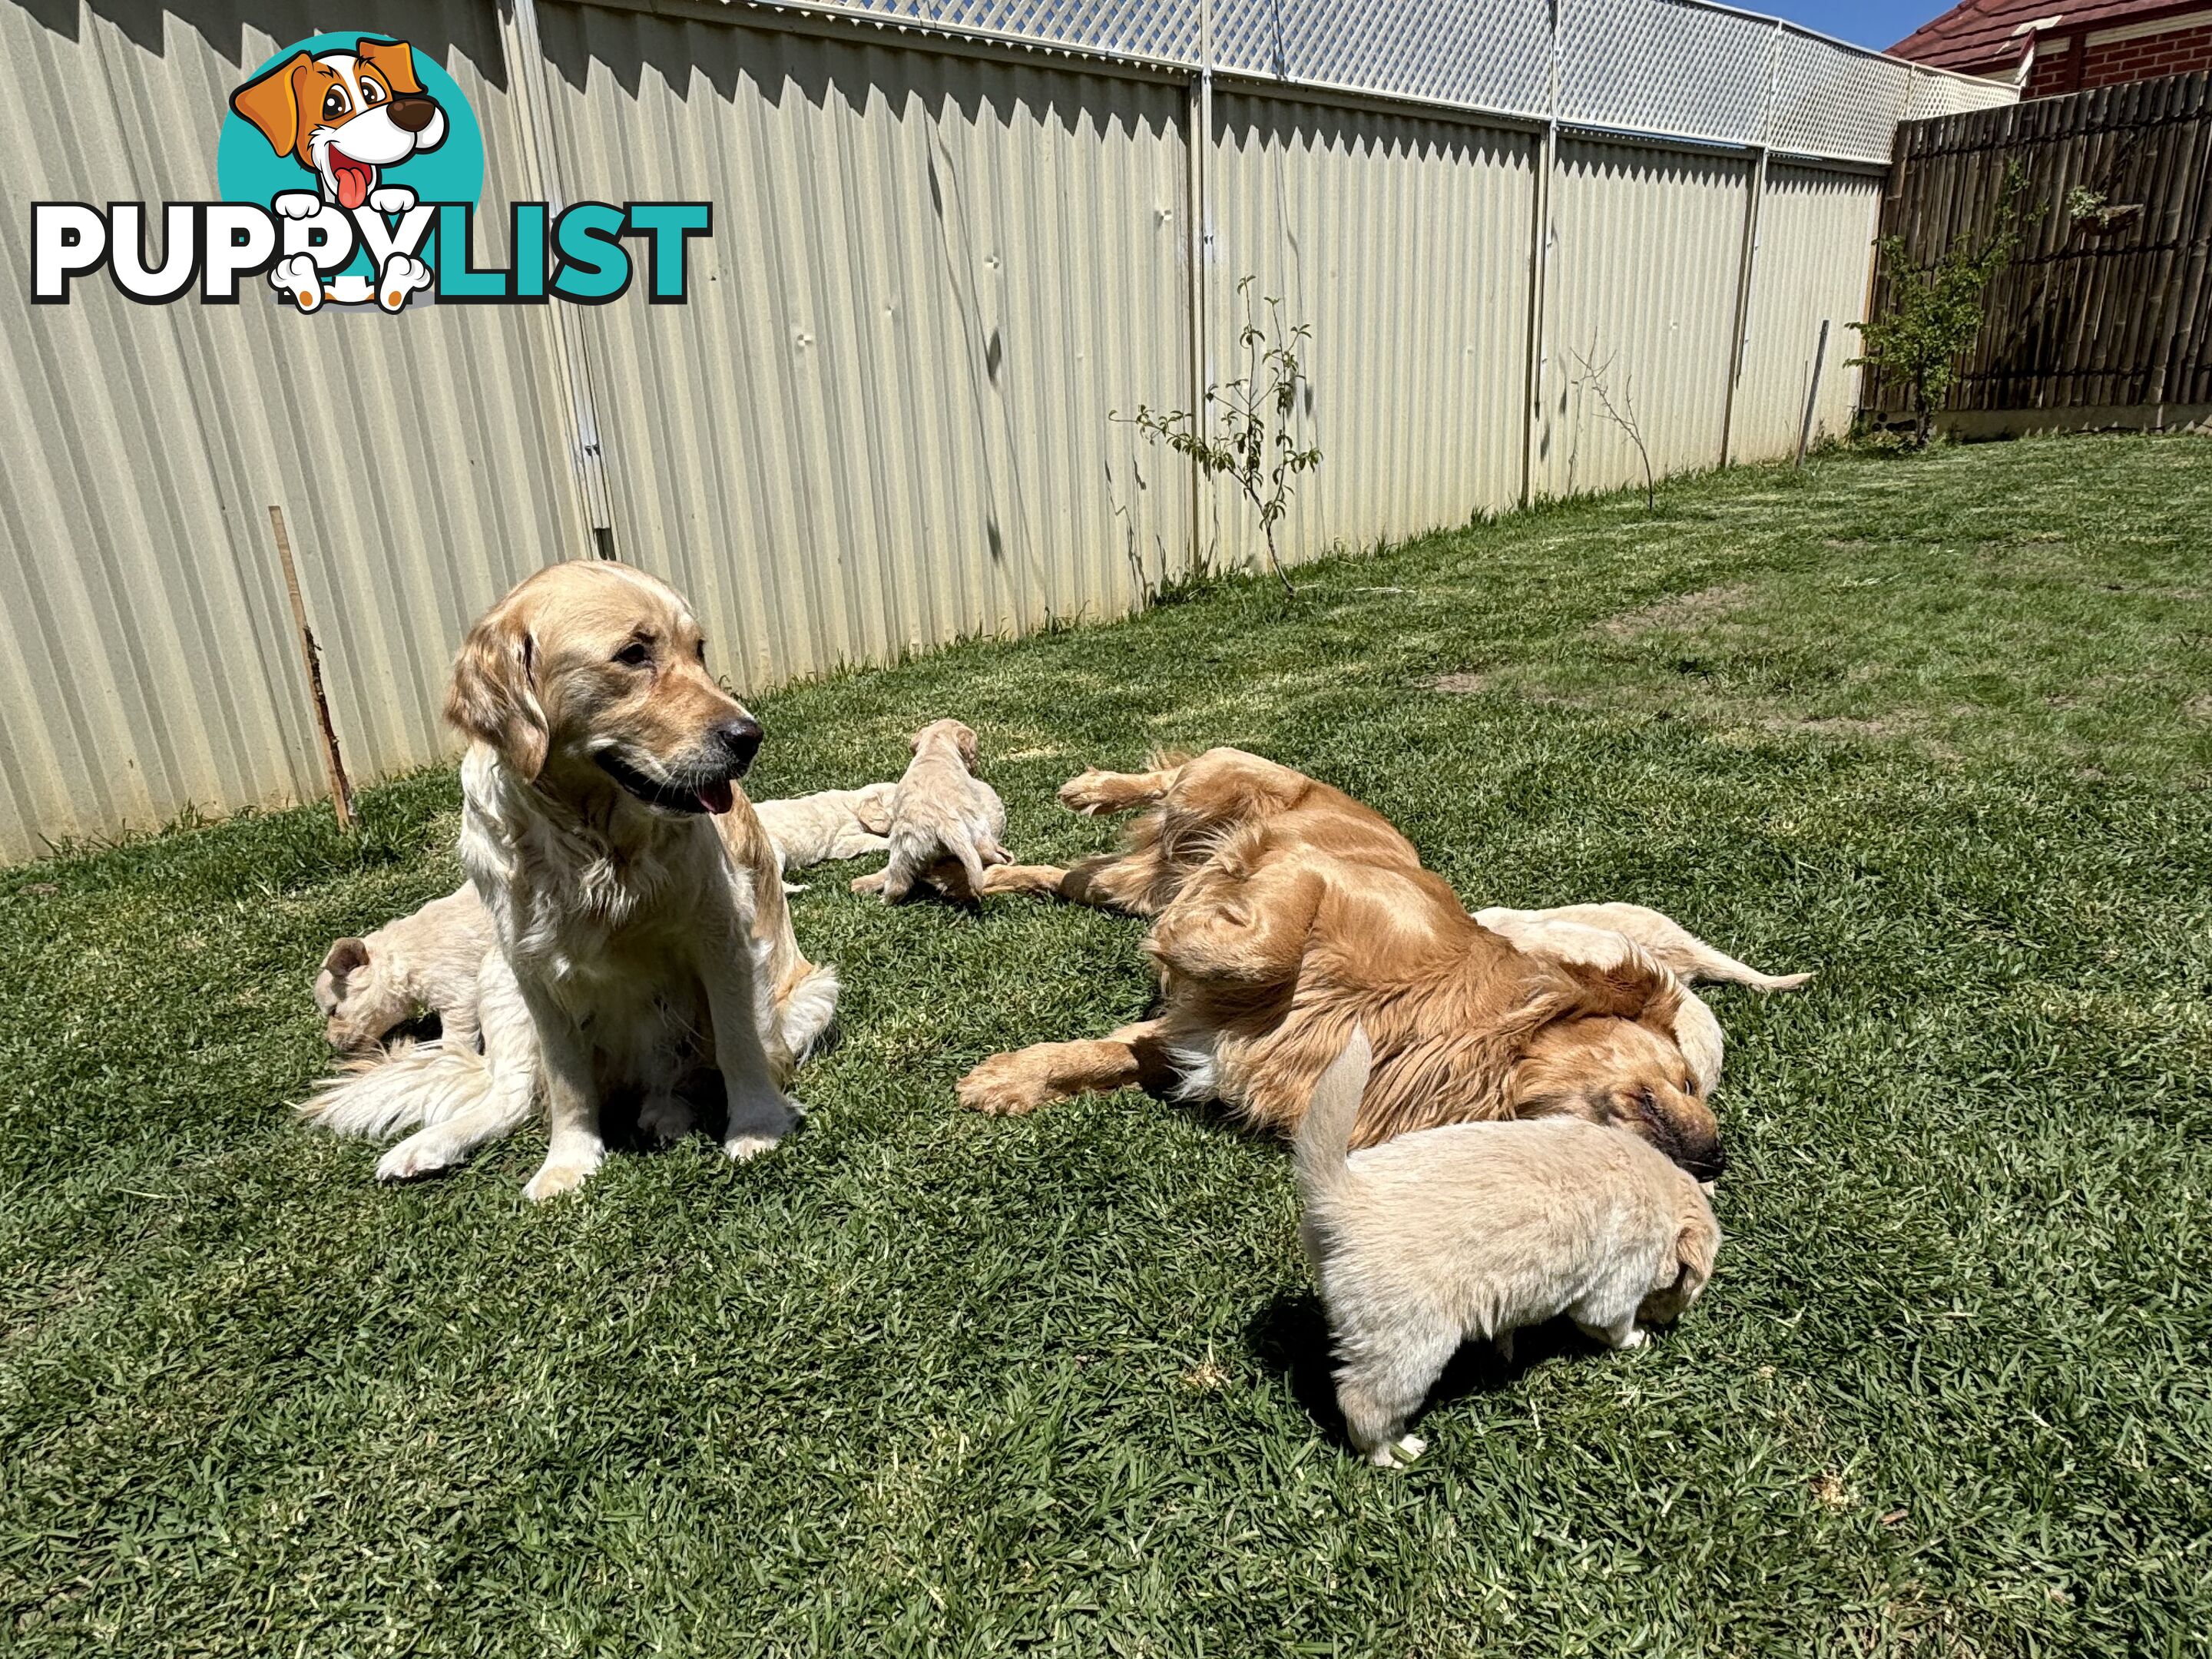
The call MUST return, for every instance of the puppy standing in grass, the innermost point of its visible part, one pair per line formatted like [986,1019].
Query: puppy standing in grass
[1476,1230]
[946,823]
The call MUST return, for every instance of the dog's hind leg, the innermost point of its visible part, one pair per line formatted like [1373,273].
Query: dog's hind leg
[1096,793]
[1379,1391]
[1011,1085]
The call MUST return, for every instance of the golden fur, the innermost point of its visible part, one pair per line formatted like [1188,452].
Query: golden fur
[642,938]
[1287,914]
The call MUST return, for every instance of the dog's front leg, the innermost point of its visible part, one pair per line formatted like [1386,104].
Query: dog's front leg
[574,1151]
[760,1112]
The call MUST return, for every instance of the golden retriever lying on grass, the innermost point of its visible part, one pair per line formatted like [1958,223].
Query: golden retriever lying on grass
[1287,915]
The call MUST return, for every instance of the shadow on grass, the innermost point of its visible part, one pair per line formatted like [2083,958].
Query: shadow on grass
[1290,1337]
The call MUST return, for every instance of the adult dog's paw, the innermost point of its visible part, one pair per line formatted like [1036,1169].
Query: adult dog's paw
[392,198]
[402,275]
[1004,1086]
[296,205]
[299,279]
[758,1124]
[1090,793]
[564,1175]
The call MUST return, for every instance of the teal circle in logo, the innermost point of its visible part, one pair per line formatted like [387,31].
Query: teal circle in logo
[249,168]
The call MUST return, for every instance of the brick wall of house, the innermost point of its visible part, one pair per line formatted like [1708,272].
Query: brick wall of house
[2109,62]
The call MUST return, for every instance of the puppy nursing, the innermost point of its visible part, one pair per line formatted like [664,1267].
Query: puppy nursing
[947,823]
[1475,1230]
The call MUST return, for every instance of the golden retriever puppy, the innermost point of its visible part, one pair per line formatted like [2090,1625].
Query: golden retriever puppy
[1287,914]
[636,899]
[1474,1231]
[946,823]
[828,825]
[423,964]
[1669,943]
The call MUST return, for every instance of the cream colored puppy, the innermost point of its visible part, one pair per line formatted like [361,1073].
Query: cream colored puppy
[1672,946]
[426,963]
[1475,1230]
[829,824]
[946,823]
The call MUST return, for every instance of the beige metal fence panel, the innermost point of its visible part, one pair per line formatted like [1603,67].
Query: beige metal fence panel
[1643,269]
[1816,236]
[1403,243]
[882,420]
[148,661]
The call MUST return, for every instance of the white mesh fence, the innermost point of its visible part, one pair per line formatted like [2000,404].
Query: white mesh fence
[1675,69]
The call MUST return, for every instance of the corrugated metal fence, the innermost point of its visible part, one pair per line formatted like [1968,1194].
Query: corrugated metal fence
[950,239]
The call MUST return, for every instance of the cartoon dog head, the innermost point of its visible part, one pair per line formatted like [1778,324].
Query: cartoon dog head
[344,116]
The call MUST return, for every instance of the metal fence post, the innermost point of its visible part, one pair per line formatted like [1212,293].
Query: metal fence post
[1198,145]
[526,73]
[1540,273]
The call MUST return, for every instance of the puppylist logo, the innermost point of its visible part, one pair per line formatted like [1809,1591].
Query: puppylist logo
[350,167]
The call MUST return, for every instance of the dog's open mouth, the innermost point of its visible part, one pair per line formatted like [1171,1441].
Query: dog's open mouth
[717,795]
[352,179]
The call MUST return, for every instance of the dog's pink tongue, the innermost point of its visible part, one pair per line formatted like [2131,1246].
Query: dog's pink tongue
[353,185]
[717,798]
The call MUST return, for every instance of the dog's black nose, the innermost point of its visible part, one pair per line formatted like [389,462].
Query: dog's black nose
[740,740]
[1709,1163]
[413,114]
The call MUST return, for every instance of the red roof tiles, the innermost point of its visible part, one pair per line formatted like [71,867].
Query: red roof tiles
[1982,35]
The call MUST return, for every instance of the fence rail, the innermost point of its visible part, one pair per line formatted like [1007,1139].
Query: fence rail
[2104,314]
[1674,68]
[950,240]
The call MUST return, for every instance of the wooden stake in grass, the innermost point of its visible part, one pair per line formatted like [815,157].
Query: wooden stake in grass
[311,658]
[1813,394]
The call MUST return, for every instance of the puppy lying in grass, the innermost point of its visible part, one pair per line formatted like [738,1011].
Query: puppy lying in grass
[1476,1230]
[946,823]
[423,964]
[829,824]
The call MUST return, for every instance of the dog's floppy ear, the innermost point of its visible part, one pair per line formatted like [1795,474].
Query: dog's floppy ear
[346,958]
[392,59]
[493,695]
[971,757]
[272,103]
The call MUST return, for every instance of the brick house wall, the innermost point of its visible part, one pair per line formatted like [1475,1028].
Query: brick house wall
[2179,51]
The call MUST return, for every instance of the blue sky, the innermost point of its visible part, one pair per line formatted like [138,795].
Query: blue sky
[1868,22]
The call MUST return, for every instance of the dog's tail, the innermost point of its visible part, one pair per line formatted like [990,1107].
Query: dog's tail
[1673,946]
[962,846]
[805,1009]
[414,1084]
[1706,963]
[1323,1149]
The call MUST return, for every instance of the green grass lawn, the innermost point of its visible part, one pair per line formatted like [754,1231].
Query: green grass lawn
[924,1382]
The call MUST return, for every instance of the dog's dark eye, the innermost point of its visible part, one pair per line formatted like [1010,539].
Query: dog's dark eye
[335,104]
[636,654]
[370,91]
